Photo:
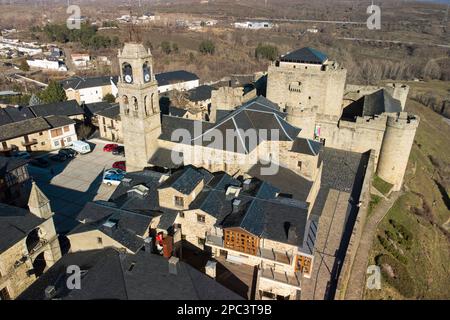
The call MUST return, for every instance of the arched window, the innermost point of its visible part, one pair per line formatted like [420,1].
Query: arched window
[125,104]
[32,240]
[152,103]
[127,73]
[147,71]
[146,105]
[135,104]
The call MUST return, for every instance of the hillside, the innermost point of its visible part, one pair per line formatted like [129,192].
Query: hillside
[422,267]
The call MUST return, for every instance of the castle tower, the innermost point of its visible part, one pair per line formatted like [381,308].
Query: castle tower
[305,78]
[399,91]
[139,105]
[38,203]
[303,118]
[396,148]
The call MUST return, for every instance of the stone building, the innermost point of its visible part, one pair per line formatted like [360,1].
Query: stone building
[314,93]
[14,180]
[28,244]
[110,124]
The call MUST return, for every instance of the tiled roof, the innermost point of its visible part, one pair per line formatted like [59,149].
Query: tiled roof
[307,146]
[77,83]
[200,93]
[184,180]
[18,129]
[305,55]
[258,115]
[15,224]
[112,275]
[8,164]
[65,108]
[112,112]
[166,78]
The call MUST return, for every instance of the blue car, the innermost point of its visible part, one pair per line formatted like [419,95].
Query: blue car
[113,179]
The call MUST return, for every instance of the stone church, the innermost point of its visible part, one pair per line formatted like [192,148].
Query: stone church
[308,105]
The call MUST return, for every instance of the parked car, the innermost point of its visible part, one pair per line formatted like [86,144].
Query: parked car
[22,155]
[40,162]
[110,147]
[119,151]
[68,153]
[120,165]
[113,179]
[60,157]
[114,171]
[81,147]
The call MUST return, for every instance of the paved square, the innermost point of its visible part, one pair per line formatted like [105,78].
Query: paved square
[70,185]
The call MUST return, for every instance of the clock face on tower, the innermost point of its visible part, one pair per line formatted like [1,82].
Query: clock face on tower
[146,71]
[127,73]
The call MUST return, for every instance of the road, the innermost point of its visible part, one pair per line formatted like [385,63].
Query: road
[395,42]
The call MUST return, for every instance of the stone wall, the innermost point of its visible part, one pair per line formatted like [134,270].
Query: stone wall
[110,129]
[357,231]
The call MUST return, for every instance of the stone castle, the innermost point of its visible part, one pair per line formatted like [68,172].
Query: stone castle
[307,101]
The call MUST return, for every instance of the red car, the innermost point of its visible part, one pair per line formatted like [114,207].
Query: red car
[120,165]
[110,147]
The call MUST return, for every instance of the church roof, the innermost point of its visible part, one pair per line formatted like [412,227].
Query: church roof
[258,116]
[134,51]
[305,55]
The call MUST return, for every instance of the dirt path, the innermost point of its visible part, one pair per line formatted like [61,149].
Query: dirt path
[356,283]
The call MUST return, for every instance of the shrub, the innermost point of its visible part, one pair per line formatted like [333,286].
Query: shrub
[401,280]
[266,51]
[207,47]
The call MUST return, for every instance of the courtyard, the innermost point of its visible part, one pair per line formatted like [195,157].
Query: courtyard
[73,183]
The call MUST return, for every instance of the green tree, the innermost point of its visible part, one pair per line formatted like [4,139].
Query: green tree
[266,51]
[109,97]
[166,47]
[207,47]
[175,47]
[53,93]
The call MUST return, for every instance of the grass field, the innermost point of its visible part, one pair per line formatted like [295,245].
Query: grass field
[423,211]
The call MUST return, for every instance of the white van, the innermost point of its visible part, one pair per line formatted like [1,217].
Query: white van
[81,147]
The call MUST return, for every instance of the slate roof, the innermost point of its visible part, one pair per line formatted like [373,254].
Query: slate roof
[257,115]
[59,121]
[163,158]
[305,55]
[373,104]
[184,180]
[128,230]
[18,129]
[93,108]
[143,276]
[177,112]
[15,114]
[15,224]
[112,112]
[200,93]
[65,108]
[8,164]
[77,83]
[167,78]
[307,146]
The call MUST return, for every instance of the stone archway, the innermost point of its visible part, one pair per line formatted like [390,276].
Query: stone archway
[39,264]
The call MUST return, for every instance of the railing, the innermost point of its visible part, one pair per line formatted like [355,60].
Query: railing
[281,277]
[29,143]
[264,253]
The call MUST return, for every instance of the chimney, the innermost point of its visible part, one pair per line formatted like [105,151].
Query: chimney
[50,292]
[210,269]
[173,265]
[246,184]
[148,245]
[236,205]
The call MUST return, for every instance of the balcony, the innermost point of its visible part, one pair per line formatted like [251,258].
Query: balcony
[292,280]
[29,143]
[263,253]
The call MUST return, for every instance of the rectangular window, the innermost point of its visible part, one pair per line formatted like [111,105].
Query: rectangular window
[41,133]
[201,218]
[299,165]
[56,143]
[100,241]
[69,139]
[181,214]
[43,143]
[57,132]
[66,129]
[179,201]
[104,121]
[183,237]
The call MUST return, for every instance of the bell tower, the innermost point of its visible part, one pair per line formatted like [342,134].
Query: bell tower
[139,105]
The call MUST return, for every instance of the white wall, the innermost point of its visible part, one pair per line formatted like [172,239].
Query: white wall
[180,86]
[68,137]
